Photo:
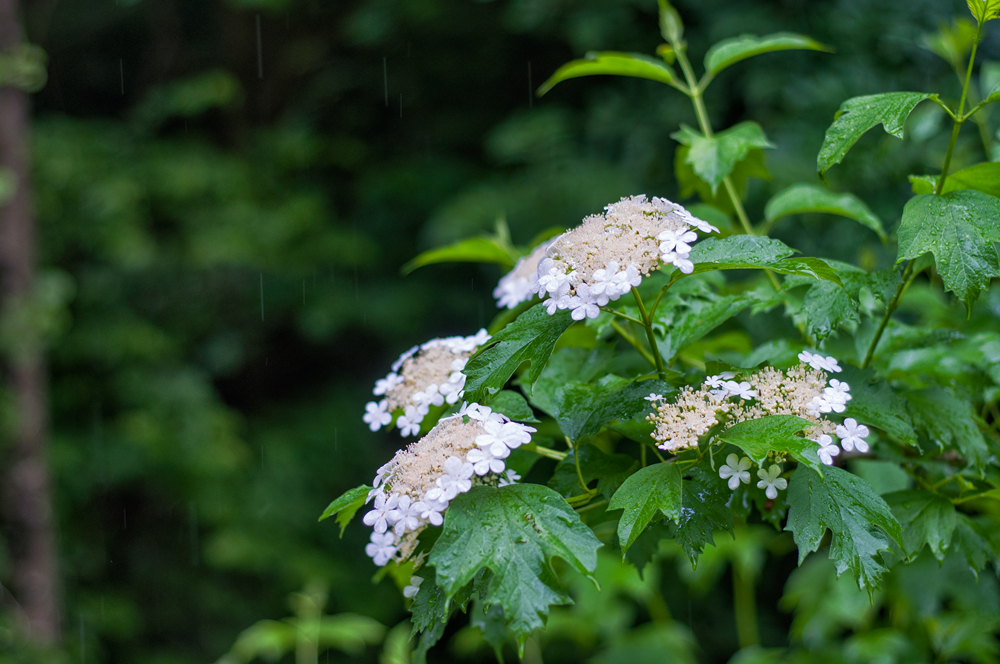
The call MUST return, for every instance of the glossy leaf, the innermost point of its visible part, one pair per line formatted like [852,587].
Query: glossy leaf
[731,51]
[876,404]
[515,532]
[693,318]
[612,63]
[860,521]
[470,250]
[774,433]
[530,338]
[859,114]
[567,365]
[714,157]
[704,512]
[808,198]
[346,506]
[984,177]
[960,230]
[652,489]
[984,10]
[513,405]
[926,518]
[581,409]
[748,252]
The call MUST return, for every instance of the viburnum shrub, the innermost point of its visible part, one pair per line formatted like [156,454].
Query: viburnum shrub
[599,411]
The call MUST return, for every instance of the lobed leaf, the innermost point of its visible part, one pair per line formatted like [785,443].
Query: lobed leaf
[649,490]
[714,157]
[805,198]
[690,183]
[860,521]
[513,405]
[984,177]
[469,250]
[859,114]
[693,318]
[972,543]
[876,404]
[568,364]
[950,423]
[530,338]
[612,63]
[730,51]
[582,409]
[774,433]
[926,518]
[513,531]
[704,512]
[346,506]
[748,252]
[959,229]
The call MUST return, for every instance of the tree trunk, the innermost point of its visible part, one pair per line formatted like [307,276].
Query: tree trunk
[27,493]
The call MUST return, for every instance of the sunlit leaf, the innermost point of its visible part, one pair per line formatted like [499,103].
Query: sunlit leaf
[774,433]
[347,506]
[731,51]
[612,63]
[747,252]
[984,177]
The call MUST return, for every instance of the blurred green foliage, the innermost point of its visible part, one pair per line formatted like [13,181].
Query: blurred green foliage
[226,192]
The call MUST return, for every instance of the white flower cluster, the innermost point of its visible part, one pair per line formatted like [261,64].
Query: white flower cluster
[424,376]
[414,489]
[521,283]
[802,390]
[607,255]
[737,471]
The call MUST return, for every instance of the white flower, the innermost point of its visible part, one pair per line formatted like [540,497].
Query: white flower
[380,474]
[410,591]
[409,422]
[830,364]
[506,433]
[510,477]
[736,470]
[557,304]
[376,415]
[626,280]
[827,449]
[714,381]
[702,226]
[582,308]
[430,396]
[383,385]
[741,390]
[680,262]
[853,435]
[382,547]
[380,517]
[403,358]
[551,280]
[770,482]
[676,241]
[818,362]
[484,462]
[406,515]
[430,509]
[374,493]
[604,280]
[654,397]
[456,478]
[476,412]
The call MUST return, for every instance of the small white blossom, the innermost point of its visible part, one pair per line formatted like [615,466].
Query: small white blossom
[383,385]
[409,421]
[403,358]
[380,474]
[676,242]
[382,548]
[456,479]
[827,449]
[406,515]
[430,509]
[742,390]
[715,382]
[654,397]
[430,396]
[771,482]
[509,477]
[736,470]
[553,305]
[376,416]
[381,516]
[504,432]
[582,308]
[477,412]
[484,462]
[410,591]
[852,435]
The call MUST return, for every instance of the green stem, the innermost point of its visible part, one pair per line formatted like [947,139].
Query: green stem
[576,461]
[650,335]
[592,506]
[633,342]
[623,316]
[745,606]
[545,451]
[959,117]
[908,275]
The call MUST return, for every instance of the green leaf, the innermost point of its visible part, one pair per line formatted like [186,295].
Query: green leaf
[748,252]
[513,531]
[926,518]
[984,10]
[581,409]
[690,183]
[693,318]
[731,51]
[984,177]
[774,433]
[959,229]
[610,470]
[970,541]
[651,489]
[513,405]
[347,506]
[704,511]
[567,365]
[876,404]
[469,250]
[860,521]
[950,423]
[859,114]
[671,26]
[806,198]
[530,338]
[612,63]
[714,157]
